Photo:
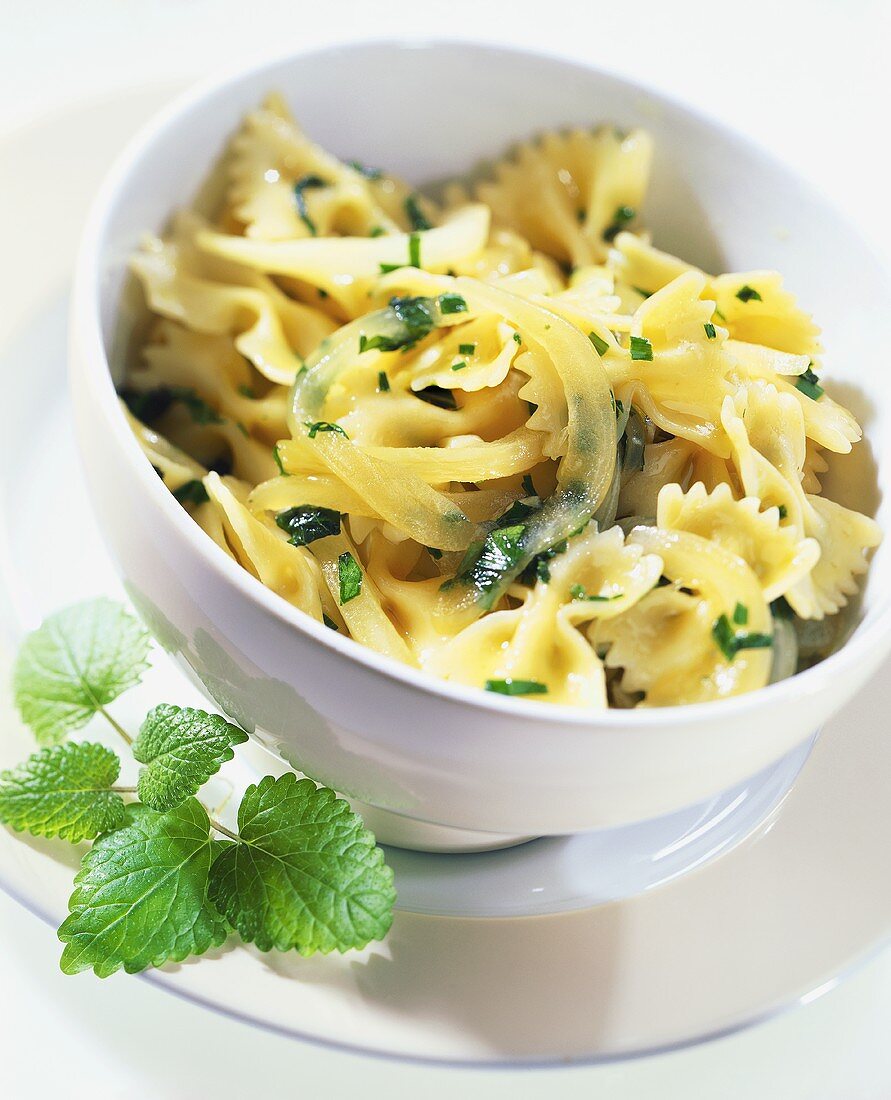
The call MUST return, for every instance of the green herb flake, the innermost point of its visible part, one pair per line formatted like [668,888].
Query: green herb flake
[434,553]
[460,365]
[783,511]
[315,426]
[809,384]
[622,216]
[276,454]
[710,330]
[529,486]
[350,576]
[466,349]
[600,345]
[306,183]
[414,250]
[365,170]
[579,592]
[641,348]
[510,686]
[416,217]
[306,523]
[246,391]
[450,303]
[385,270]
[518,339]
[748,294]
[383,382]
[191,492]
[731,641]
[329,622]
[377,231]
[740,614]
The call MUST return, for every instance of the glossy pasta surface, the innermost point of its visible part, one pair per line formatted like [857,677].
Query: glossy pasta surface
[498,435]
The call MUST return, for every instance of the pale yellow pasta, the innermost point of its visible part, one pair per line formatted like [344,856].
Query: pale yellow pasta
[496,435]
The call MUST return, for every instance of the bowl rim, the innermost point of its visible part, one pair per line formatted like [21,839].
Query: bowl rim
[94,368]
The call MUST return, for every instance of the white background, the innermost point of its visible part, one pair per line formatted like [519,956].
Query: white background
[809,78]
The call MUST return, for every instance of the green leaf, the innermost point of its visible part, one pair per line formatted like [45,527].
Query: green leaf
[517,687]
[350,576]
[182,749]
[600,345]
[140,897]
[306,523]
[63,791]
[641,348]
[77,662]
[305,875]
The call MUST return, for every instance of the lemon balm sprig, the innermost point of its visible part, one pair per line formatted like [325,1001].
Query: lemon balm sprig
[163,879]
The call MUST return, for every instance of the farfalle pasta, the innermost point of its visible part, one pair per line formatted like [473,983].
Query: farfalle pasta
[495,433]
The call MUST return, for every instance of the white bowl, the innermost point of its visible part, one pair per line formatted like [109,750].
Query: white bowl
[387,735]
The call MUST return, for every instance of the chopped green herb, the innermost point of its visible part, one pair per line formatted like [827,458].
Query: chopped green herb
[383,382]
[578,592]
[485,562]
[466,349]
[452,303]
[460,365]
[600,345]
[621,218]
[314,427]
[518,338]
[243,429]
[641,348]
[387,268]
[580,216]
[350,575]
[518,511]
[719,314]
[809,384]
[411,320]
[414,250]
[365,170]
[322,293]
[278,461]
[416,216]
[191,492]
[246,391]
[643,293]
[329,622]
[307,523]
[434,553]
[783,510]
[529,486]
[740,614]
[376,231]
[731,641]
[306,183]
[436,395]
[516,687]
[710,330]
[748,294]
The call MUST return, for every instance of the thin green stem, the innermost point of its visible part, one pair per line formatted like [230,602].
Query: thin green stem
[222,829]
[116,726]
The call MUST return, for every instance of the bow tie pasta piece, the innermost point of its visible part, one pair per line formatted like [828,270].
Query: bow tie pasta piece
[471,357]
[597,576]
[757,309]
[346,268]
[566,192]
[766,429]
[638,265]
[679,374]
[212,367]
[270,329]
[774,554]
[815,464]
[667,644]
[283,186]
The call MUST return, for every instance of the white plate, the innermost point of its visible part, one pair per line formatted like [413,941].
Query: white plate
[773,923]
